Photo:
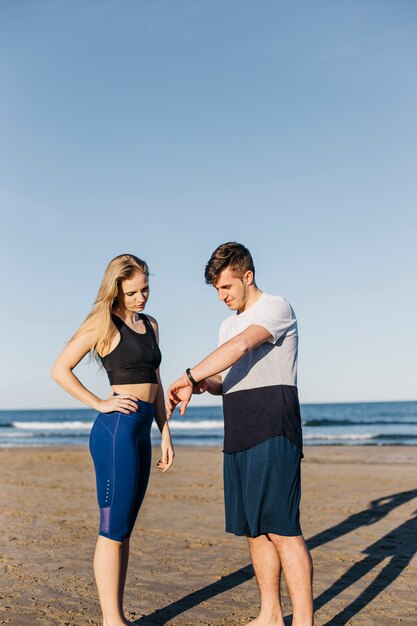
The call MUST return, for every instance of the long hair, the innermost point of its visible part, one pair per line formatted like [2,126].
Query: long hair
[98,321]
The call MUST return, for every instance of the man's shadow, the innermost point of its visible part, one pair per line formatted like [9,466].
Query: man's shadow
[377,510]
[398,544]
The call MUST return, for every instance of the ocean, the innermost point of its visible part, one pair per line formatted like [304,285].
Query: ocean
[373,423]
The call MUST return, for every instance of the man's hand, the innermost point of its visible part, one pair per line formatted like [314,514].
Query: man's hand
[180,391]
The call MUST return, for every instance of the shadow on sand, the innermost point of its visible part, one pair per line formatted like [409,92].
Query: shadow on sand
[398,546]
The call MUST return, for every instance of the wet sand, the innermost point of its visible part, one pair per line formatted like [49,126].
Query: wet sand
[358,515]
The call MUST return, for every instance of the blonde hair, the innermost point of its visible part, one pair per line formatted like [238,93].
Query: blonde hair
[98,321]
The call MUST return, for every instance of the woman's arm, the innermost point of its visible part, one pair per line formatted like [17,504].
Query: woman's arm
[161,419]
[62,373]
[159,404]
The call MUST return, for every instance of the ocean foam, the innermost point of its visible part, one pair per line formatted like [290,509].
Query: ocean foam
[78,425]
[200,424]
[345,437]
[53,425]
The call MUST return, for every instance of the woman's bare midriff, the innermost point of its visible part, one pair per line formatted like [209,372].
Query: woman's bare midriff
[143,391]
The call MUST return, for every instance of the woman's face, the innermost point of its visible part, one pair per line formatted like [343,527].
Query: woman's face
[134,292]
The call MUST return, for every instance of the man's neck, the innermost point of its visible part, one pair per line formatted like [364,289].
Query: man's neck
[253,296]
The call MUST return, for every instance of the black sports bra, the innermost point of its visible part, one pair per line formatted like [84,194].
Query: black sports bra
[136,357]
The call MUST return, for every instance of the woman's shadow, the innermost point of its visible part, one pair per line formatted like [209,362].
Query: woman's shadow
[398,544]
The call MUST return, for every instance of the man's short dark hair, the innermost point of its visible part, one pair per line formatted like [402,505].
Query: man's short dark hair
[233,255]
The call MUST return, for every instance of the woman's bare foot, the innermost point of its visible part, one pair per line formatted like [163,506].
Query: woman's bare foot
[123,621]
[263,620]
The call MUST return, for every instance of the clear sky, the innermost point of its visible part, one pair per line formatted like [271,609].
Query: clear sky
[165,128]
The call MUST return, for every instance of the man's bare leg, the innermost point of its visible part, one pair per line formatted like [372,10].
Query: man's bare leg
[267,566]
[298,571]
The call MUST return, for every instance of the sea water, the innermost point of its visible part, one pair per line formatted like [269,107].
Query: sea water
[373,423]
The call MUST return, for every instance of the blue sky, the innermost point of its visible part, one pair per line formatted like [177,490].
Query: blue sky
[166,128]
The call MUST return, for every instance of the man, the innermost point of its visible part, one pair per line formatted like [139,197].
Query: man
[255,369]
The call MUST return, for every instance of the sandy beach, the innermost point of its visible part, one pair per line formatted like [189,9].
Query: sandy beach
[358,515]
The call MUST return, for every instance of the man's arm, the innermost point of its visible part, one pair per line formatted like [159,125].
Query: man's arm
[214,385]
[221,359]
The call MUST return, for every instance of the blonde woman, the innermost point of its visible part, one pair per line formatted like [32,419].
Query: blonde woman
[126,341]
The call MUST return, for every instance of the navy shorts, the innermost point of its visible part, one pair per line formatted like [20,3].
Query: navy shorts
[262,489]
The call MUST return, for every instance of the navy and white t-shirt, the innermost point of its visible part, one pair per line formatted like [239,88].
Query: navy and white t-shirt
[260,398]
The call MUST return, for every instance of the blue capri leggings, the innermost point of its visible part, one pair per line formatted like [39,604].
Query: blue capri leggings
[120,445]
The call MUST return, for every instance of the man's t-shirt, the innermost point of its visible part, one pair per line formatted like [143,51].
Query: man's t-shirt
[260,398]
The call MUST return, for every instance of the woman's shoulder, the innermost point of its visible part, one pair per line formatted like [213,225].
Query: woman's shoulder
[151,319]
[154,325]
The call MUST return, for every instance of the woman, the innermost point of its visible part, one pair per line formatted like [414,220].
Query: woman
[126,341]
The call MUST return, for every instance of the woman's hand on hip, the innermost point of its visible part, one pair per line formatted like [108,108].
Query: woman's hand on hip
[124,403]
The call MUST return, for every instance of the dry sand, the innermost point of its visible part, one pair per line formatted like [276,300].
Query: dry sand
[358,514]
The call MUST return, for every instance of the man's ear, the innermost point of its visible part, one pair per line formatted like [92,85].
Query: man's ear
[248,278]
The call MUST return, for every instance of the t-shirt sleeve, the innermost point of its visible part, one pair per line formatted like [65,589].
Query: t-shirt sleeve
[276,316]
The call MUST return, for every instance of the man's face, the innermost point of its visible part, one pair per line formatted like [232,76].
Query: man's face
[233,291]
